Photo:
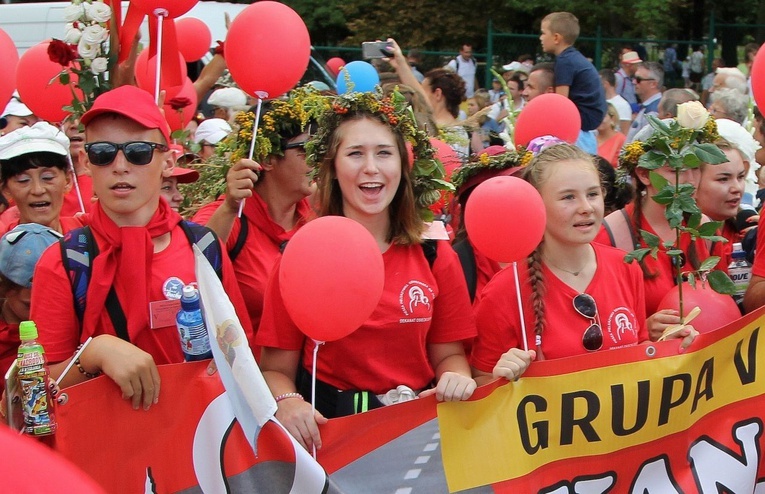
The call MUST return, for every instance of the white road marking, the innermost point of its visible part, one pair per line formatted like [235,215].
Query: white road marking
[421,459]
[430,447]
[413,474]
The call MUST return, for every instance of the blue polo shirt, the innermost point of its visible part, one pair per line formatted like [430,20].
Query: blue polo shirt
[584,87]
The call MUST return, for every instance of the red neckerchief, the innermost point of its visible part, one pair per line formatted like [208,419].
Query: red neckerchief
[126,256]
[256,211]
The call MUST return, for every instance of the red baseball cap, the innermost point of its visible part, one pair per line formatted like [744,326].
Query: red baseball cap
[185,175]
[133,103]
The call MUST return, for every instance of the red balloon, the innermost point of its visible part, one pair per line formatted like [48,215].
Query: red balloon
[447,155]
[758,78]
[334,65]
[174,8]
[9,59]
[180,118]
[267,49]
[34,74]
[717,309]
[548,114]
[505,218]
[331,277]
[194,38]
[146,73]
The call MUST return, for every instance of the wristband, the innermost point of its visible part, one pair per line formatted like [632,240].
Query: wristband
[288,395]
[87,374]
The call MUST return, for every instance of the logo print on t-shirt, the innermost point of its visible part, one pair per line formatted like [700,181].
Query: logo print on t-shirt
[621,325]
[416,299]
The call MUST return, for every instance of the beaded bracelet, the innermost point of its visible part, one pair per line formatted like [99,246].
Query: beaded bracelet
[288,395]
[87,374]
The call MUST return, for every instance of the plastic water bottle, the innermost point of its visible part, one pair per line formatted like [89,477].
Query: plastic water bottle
[39,418]
[740,271]
[195,341]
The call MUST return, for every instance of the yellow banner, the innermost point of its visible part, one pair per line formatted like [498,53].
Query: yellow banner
[542,418]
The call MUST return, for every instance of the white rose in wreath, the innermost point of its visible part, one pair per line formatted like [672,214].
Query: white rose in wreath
[72,35]
[692,115]
[87,50]
[98,12]
[73,12]
[99,65]
[94,34]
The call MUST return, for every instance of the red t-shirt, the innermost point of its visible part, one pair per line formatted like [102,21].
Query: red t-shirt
[485,269]
[419,306]
[658,286]
[758,268]
[71,204]
[617,288]
[9,346]
[256,259]
[59,328]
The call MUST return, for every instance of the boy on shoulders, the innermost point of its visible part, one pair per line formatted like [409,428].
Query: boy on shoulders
[575,76]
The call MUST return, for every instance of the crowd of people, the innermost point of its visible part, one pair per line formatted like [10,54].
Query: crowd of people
[94,240]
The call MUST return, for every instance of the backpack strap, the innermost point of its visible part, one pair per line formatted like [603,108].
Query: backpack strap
[430,249]
[467,259]
[620,227]
[208,243]
[78,250]
[240,239]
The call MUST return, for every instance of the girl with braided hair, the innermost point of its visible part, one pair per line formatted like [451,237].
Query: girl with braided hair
[579,296]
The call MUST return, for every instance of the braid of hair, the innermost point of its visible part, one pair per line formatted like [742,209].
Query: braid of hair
[637,219]
[537,289]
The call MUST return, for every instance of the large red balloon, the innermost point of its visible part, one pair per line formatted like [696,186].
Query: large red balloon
[9,59]
[548,114]
[180,118]
[146,73]
[758,78]
[174,8]
[334,65]
[331,277]
[194,38]
[38,85]
[717,309]
[505,218]
[267,49]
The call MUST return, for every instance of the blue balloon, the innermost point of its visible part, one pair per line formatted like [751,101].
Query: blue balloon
[363,78]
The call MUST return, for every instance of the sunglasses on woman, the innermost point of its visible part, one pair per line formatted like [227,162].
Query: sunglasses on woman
[592,339]
[136,152]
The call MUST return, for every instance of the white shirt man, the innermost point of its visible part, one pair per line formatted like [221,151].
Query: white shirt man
[465,66]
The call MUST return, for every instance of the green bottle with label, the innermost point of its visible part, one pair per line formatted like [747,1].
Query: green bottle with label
[39,418]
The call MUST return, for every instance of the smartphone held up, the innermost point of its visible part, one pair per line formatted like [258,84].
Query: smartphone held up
[376,49]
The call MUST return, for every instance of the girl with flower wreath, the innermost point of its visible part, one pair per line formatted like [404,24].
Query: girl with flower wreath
[579,296]
[622,229]
[412,342]
[274,187]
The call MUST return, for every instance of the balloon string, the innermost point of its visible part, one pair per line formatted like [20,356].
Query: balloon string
[160,17]
[76,184]
[520,307]
[313,384]
[252,145]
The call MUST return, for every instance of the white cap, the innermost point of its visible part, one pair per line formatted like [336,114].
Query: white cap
[739,138]
[40,137]
[515,66]
[16,108]
[212,131]
[228,97]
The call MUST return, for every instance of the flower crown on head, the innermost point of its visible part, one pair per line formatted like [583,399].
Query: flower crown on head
[691,133]
[427,172]
[290,116]
[485,163]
